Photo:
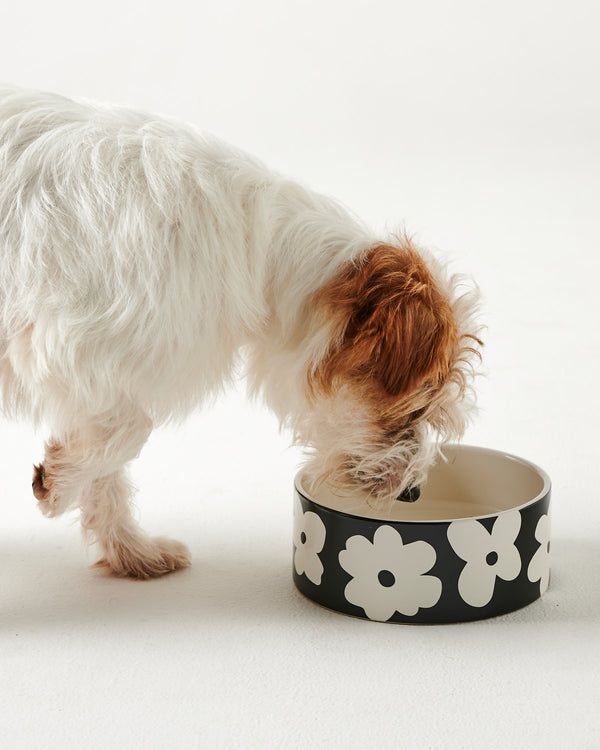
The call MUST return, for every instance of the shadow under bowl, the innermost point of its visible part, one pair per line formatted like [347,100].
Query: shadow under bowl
[475,545]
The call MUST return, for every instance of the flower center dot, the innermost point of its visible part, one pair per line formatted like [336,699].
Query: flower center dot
[386,578]
[491,558]
[303,538]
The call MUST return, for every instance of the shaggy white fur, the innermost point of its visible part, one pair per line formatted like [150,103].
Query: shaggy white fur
[140,263]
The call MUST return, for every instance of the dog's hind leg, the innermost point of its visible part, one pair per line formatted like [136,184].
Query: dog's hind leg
[91,448]
[86,468]
[127,551]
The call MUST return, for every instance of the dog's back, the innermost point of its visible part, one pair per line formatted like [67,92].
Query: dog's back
[117,232]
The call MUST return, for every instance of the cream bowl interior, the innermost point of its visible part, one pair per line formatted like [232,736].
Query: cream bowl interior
[472,483]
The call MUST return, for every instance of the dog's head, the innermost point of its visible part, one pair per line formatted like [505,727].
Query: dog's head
[397,378]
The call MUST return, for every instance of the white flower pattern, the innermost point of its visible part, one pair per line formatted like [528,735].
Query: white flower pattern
[539,567]
[387,575]
[309,540]
[488,555]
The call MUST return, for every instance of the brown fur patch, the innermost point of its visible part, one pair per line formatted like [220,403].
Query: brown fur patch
[399,330]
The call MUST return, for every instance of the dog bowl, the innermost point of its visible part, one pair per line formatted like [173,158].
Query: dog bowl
[474,545]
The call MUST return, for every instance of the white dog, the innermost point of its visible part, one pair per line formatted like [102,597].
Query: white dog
[140,261]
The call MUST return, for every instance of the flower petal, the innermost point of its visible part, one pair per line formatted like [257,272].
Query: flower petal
[314,569]
[506,528]
[358,559]
[419,556]
[539,565]
[469,539]
[300,558]
[428,594]
[387,539]
[376,600]
[387,552]
[314,528]
[508,566]
[476,584]
[542,530]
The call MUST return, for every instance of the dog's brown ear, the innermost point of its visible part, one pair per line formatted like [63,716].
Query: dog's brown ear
[398,328]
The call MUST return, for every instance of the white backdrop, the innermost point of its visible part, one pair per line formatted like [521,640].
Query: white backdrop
[477,126]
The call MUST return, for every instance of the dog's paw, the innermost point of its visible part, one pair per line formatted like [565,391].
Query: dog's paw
[37,482]
[150,559]
[44,492]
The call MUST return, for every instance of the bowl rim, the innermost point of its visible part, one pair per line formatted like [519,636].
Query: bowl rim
[547,486]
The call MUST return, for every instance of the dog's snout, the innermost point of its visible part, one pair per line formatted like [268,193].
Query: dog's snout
[410,494]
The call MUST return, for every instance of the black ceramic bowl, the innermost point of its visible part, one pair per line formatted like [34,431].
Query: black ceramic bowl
[475,544]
